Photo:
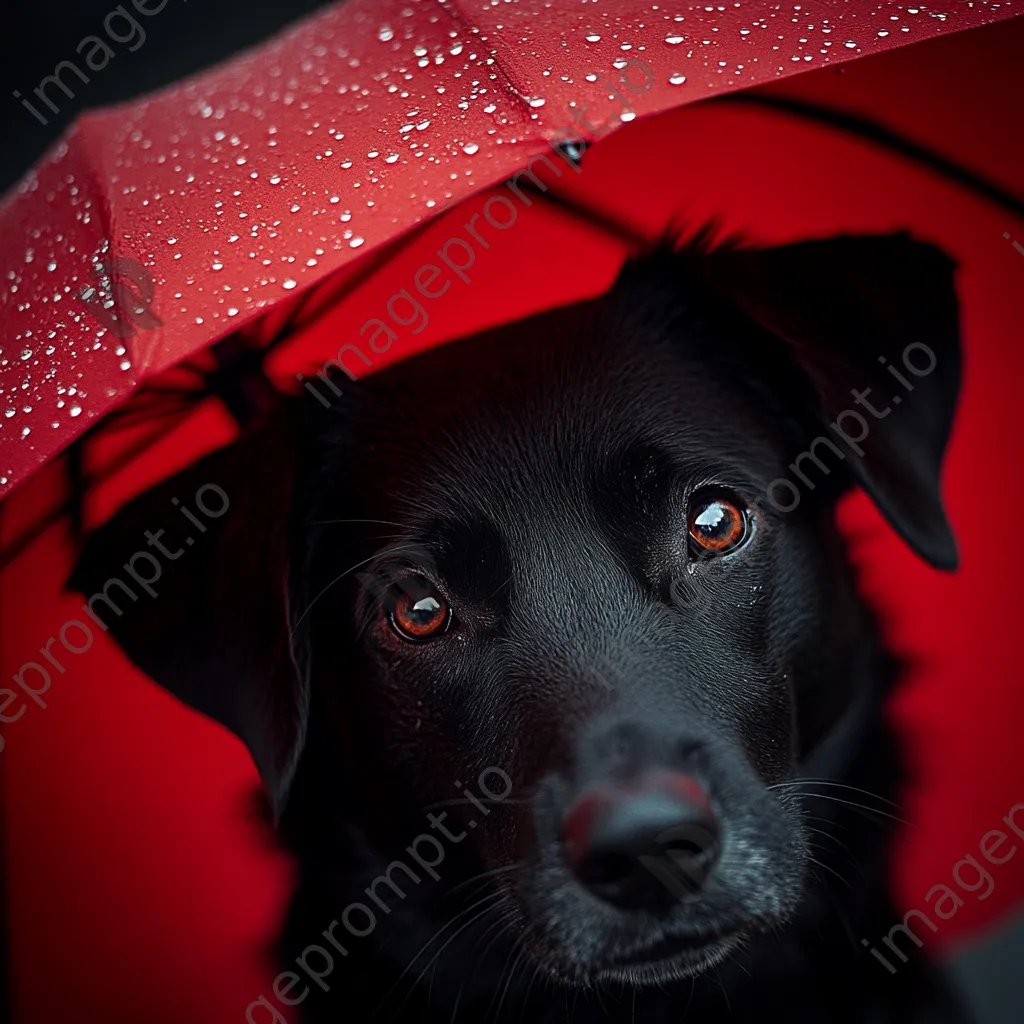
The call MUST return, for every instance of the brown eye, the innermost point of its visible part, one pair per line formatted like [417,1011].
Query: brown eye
[421,615]
[717,526]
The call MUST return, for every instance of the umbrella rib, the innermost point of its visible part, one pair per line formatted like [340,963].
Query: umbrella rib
[465,23]
[592,215]
[871,131]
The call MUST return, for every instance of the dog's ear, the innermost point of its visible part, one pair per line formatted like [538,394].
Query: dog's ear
[199,599]
[874,316]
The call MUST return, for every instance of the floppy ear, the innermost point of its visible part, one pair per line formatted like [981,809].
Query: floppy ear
[873,316]
[199,601]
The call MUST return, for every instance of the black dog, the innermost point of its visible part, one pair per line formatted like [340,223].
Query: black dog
[560,563]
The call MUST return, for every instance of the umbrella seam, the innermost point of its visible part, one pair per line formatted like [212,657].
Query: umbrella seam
[462,21]
[106,213]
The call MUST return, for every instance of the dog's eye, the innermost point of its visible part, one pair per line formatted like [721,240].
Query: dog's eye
[717,526]
[420,615]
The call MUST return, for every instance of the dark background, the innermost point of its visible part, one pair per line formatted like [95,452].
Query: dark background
[185,36]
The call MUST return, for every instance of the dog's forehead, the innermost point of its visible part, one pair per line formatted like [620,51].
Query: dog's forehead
[532,422]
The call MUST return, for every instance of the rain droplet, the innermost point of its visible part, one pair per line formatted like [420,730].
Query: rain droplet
[674,40]
[470,148]
[356,242]
[216,266]
[391,158]
[677,79]
[538,102]
[288,284]
[422,125]
[850,44]
[75,410]
[385,34]
[593,38]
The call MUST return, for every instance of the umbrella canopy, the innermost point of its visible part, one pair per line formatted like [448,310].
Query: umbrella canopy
[158,226]
[129,842]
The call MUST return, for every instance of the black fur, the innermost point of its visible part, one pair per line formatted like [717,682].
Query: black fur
[539,477]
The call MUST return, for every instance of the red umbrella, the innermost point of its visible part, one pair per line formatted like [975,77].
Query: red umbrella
[214,200]
[111,766]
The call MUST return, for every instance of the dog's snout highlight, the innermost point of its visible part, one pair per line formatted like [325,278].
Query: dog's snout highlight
[645,845]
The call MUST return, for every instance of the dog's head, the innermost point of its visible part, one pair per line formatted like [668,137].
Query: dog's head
[585,567]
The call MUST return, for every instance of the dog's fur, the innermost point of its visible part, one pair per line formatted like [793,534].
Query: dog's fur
[539,477]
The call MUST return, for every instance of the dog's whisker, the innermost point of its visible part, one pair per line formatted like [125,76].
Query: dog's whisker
[490,898]
[484,876]
[831,870]
[336,579]
[857,806]
[448,942]
[797,783]
[519,949]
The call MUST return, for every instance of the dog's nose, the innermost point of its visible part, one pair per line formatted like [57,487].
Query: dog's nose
[645,845]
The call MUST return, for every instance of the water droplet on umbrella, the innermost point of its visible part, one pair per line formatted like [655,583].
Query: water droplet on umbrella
[385,34]
[538,102]
[470,148]
[288,284]
[677,79]
[356,242]
[593,38]
[391,158]
[75,410]
[674,40]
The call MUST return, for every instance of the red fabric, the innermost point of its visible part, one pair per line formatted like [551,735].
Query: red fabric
[241,186]
[138,887]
